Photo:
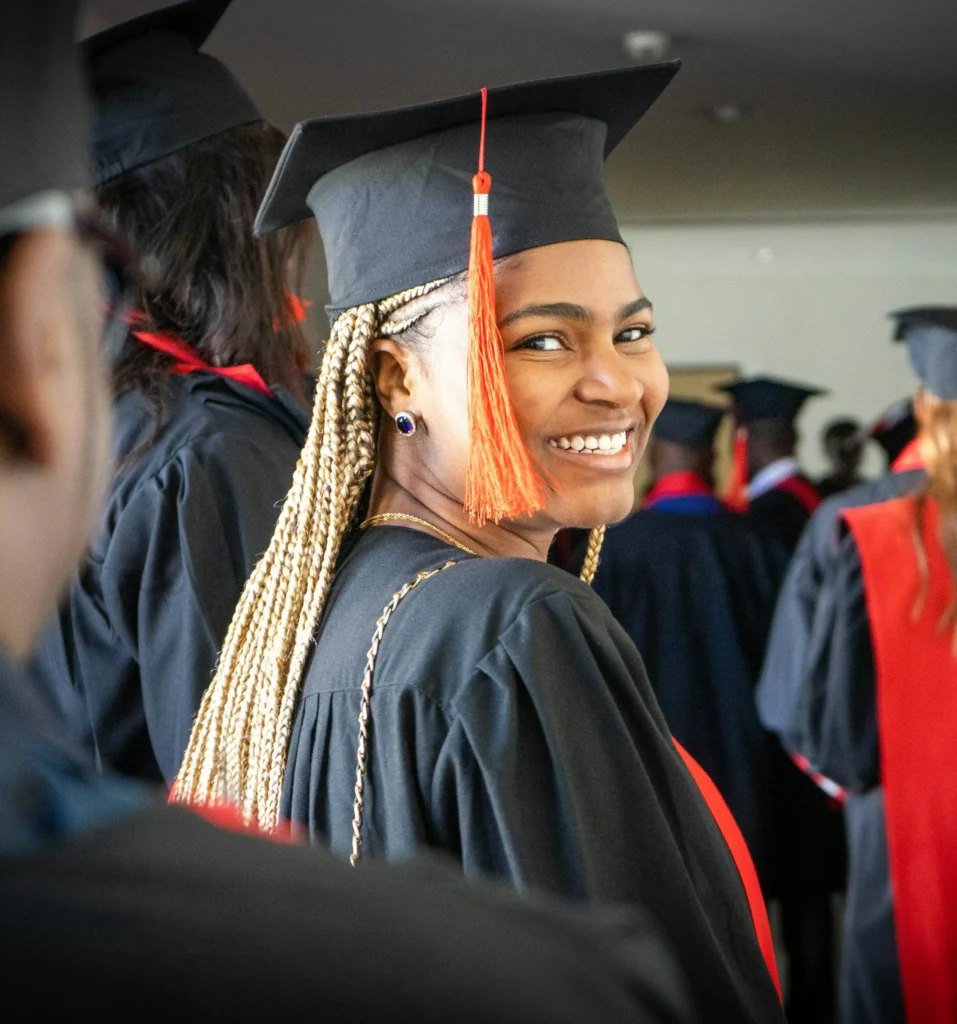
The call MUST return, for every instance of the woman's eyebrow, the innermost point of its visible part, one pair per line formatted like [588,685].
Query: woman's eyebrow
[634,307]
[563,310]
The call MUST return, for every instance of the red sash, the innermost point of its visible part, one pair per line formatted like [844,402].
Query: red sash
[917,725]
[188,361]
[909,458]
[678,484]
[804,491]
[742,858]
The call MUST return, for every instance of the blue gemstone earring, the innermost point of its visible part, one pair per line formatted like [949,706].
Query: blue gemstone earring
[405,421]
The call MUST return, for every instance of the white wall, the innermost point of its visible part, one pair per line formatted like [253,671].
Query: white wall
[805,301]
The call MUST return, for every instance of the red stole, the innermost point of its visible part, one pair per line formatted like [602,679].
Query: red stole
[673,484]
[909,458]
[917,725]
[742,858]
[803,490]
[188,361]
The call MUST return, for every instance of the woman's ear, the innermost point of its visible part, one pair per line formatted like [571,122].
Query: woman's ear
[395,374]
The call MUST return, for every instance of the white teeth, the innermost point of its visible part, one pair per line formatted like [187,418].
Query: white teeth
[591,444]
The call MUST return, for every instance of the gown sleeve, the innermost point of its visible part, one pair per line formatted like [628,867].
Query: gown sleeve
[780,689]
[527,793]
[178,558]
[838,714]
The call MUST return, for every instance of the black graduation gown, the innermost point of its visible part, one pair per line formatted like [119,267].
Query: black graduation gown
[695,592]
[781,512]
[514,727]
[818,692]
[117,907]
[187,519]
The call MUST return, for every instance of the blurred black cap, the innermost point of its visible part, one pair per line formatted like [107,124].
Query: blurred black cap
[154,92]
[768,398]
[691,424]
[930,333]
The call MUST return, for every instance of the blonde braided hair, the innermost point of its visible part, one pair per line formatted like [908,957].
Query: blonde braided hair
[239,742]
[237,748]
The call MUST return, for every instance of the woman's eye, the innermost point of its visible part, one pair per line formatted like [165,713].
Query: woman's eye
[635,334]
[543,343]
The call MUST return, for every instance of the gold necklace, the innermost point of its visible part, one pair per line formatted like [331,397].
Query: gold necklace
[385,517]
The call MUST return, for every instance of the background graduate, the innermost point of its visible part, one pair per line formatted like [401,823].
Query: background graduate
[210,397]
[694,586]
[500,713]
[116,906]
[780,497]
[860,679]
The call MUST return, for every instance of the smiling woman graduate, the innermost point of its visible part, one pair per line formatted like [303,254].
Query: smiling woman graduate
[404,668]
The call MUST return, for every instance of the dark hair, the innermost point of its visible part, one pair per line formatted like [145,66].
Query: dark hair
[840,430]
[220,289]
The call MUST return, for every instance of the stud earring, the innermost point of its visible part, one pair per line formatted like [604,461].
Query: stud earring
[405,422]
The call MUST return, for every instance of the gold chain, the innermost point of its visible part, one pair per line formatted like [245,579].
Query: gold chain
[385,517]
[364,708]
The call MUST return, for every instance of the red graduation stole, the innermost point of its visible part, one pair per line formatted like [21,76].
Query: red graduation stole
[681,483]
[917,726]
[804,491]
[742,858]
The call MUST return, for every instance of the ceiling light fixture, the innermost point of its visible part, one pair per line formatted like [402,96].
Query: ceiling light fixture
[646,47]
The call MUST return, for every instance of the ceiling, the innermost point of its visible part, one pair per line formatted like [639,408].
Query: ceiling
[850,106]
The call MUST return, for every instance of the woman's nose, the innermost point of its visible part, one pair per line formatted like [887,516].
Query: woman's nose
[608,378]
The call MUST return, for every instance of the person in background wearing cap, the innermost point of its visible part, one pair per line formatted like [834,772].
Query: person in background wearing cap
[894,430]
[116,906]
[861,679]
[694,586]
[809,854]
[210,397]
[451,689]
[843,446]
[778,494]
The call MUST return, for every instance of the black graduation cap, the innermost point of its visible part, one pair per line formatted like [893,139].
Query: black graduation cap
[768,398]
[895,428]
[692,424]
[44,121]
[154,92]
[392,191]
[931,336]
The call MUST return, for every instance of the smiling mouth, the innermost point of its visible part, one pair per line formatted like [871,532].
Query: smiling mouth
[592,444]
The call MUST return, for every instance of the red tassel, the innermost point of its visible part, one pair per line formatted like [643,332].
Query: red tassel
[501,481]
[736,491]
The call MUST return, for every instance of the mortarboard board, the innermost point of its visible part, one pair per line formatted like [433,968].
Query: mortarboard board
[768,398]
[930,333]
[44,120]
[154,92]
[895,428]
[692,424]
[392,191]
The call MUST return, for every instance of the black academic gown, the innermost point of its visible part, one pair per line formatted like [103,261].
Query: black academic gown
[514,727]
[782,513]
[187,519]
[118,907]
[818,693]
[695,592]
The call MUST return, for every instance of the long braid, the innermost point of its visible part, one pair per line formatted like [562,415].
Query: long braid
[238,746]
[938,423]
[590,564]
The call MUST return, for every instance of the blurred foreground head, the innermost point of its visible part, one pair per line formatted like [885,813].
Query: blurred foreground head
[54,413]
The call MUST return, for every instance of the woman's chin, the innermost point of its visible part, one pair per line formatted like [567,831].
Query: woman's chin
[588,511]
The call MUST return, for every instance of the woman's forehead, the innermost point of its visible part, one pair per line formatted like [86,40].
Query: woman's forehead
[593,276]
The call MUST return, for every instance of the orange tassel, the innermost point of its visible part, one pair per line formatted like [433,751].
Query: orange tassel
[501,481]
[736,491]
